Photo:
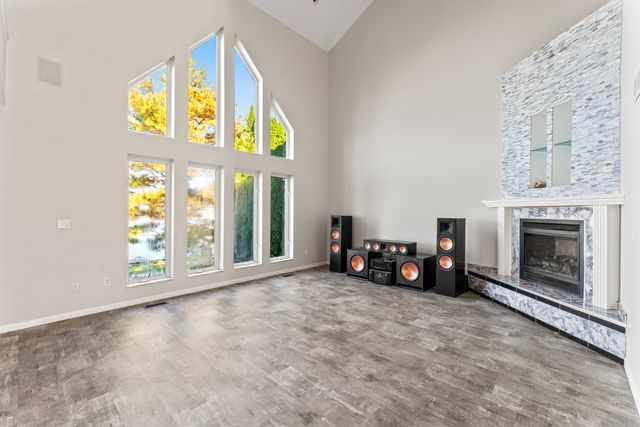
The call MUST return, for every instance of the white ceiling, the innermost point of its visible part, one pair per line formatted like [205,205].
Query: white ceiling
[324,24]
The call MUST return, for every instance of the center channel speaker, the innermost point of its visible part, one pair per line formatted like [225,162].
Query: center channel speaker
[340,235]
[417,272]
[358,261]
[391,246]
[451,279]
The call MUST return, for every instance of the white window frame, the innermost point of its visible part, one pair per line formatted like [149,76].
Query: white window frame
[253,70]
[218,228]
[168,215]
[287,126]
[288,222]
[220,121]
[170,63]
[257,220]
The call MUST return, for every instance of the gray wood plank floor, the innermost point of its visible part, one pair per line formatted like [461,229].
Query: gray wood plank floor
[312,349]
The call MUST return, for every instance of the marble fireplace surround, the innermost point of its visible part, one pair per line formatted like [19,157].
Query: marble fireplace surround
[601,217]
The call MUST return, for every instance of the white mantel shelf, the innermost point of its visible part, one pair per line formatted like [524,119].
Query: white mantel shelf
[596,200]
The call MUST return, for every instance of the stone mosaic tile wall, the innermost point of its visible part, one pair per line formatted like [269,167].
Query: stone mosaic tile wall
[581,65]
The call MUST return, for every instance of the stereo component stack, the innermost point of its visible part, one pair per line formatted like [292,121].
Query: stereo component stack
[340,236]
[383,271]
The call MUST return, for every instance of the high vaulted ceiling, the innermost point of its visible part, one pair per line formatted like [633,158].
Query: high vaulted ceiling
[324,23]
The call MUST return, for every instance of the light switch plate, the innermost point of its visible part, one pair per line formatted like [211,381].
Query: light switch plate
[636,88]
[64,224]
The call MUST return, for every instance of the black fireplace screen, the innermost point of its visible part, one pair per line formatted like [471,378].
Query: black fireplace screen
[551,253]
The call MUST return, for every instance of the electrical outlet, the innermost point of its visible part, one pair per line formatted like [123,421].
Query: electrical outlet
[64,224]
[76,287]
[107,282]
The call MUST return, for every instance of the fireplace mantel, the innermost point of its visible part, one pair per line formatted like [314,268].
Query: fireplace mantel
[595,200]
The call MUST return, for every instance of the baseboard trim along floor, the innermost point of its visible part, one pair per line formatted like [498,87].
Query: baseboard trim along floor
[146,300]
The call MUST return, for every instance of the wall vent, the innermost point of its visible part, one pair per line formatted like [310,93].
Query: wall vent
[49,72]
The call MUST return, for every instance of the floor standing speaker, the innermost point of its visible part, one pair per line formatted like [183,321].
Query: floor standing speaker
[340,236]
[451,279]
[358,262]
[417,272]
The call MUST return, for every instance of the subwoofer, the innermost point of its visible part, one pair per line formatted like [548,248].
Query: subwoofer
[397,247]
[358,261]
[451,279]
[340,235]
[417,272]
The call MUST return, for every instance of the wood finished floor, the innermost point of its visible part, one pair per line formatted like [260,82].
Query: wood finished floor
[312,349]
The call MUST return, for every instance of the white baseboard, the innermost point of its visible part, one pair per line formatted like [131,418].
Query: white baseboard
[634,389]
[129,303]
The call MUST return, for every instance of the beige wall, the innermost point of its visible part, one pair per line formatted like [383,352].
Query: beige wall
[630,254]
[63,152]
[415,112]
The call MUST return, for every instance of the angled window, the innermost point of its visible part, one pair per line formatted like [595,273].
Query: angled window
[281,218]
[248,94]
[148,219]
[202,224]
[204,101]
[246,215]
[150,106]
[281,133]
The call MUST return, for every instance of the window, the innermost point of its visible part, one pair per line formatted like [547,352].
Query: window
[248,94]
[150,101]
[246,247]
[280,218]
[202,214]
[148,219]
[203,94]
[281,133]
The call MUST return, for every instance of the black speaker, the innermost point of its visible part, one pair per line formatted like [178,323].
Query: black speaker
[358,262]
[417,272]
[391,246]
[340,236]
[451,279]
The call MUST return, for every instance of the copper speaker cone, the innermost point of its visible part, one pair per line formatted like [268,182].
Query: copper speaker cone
[376,246]
[410,271]
[367,246]
[403,249]
[357,263]
[335,248]
[446,244]
[445,262]
[393,248]
[335,234]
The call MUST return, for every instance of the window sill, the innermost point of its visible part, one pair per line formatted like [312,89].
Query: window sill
[205,272]
[246,265]
[281,259]
[148,282]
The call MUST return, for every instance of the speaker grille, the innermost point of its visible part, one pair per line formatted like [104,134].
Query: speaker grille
[49,72]
[410,271]
[446,244]
[335,248]
[445,262]
[357,263]
[335,234]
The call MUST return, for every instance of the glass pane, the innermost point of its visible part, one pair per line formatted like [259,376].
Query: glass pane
[245,92]
[539,150]
[202,93]
[278,136]
[278,217]
[244,205]
[148,103]
[201,217]
[562,144]
[147,220]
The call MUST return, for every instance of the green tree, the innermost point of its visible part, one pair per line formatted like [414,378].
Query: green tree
[278,218]
[278,138]
[245,133]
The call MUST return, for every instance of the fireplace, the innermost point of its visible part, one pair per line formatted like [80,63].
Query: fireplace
[552,253]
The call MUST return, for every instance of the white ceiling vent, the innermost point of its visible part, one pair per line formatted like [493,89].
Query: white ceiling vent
[49,72]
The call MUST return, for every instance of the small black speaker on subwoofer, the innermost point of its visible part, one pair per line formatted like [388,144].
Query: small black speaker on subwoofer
[417,272]
[451,279]
[358,262]
[340,235]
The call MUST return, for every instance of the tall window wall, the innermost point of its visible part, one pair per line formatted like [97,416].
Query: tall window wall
[151,110]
